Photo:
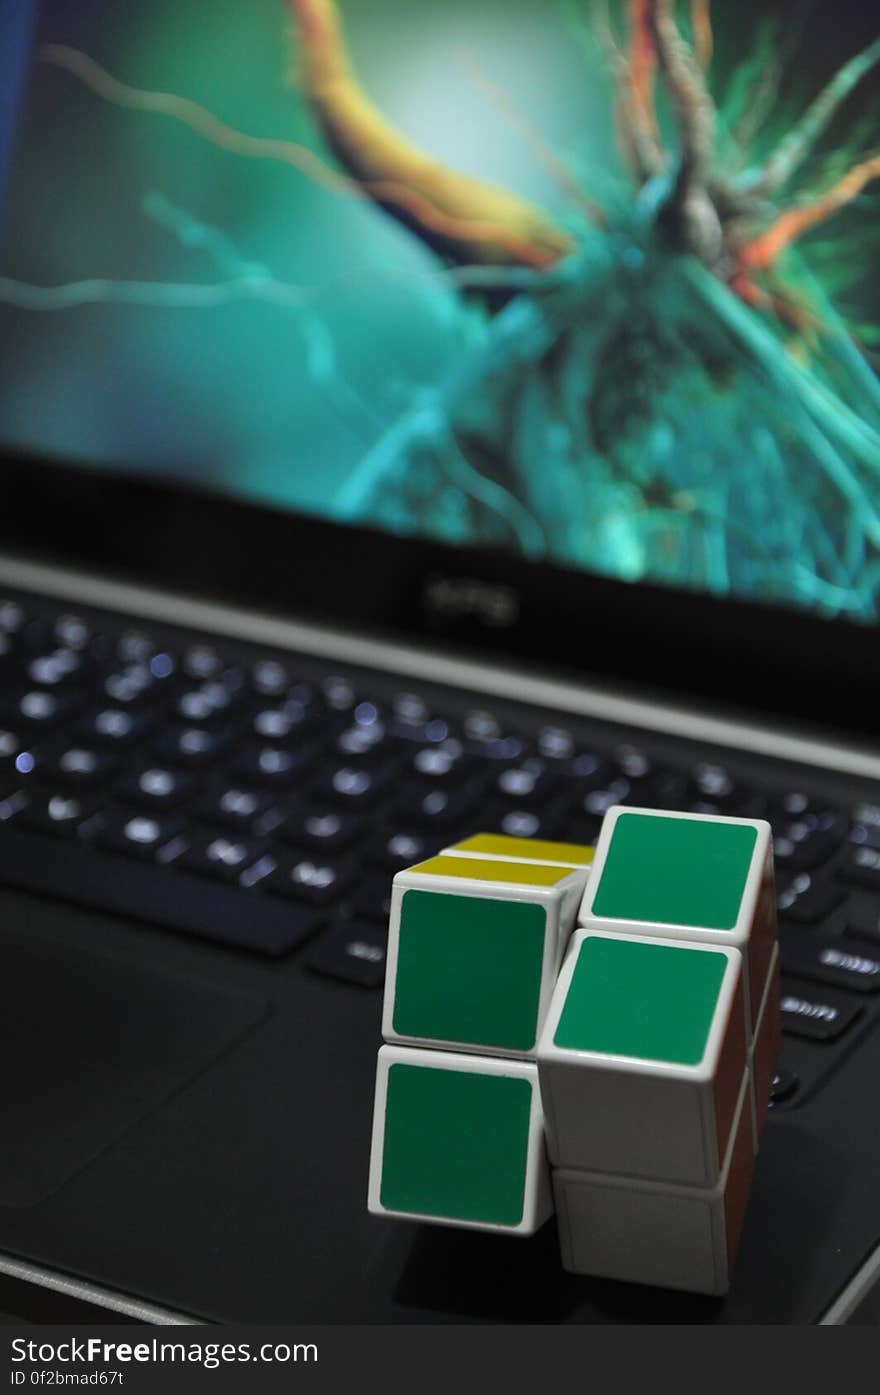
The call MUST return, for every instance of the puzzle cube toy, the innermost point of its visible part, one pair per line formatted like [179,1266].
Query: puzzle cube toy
[614,1013]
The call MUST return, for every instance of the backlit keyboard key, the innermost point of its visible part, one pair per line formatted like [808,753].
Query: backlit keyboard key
[159,787]
[136,834]
[353,952]
[808,1011]
[317,881]
[220,856]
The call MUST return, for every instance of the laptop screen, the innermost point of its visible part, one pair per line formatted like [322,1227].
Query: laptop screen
[588,284]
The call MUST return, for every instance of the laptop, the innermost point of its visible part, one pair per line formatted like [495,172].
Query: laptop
[357,499]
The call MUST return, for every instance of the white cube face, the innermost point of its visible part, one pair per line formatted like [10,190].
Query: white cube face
[643,1056]
[474,950]
[689,877]
[648,1233]
[458,1140]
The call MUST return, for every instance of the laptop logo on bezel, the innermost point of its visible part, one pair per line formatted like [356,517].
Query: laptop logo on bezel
[460,597]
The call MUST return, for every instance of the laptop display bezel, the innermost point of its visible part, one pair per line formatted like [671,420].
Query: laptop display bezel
[743,658]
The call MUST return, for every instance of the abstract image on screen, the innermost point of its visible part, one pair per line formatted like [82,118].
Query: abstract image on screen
[592,282]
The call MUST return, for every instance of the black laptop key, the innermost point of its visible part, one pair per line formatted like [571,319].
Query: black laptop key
[714,784]
[158,787]
[862,867]
[219,855]
[323,829]
[12,748]
[865,828]
[276,767]
[40,709]
[136,834]
[371,745]
[804,843]
[157,894]
[270,679]
[114,727]
[280,723]
[316,880]
[436,808]
[58,668]
[836,963]
[13,801]
[402,848]
[135,647]
[526,784]
[556,743]
[12,617]
[202,661]
[354,786]
[595,802]
[138,684]
[519,822]
[58,812]
[211,702]
[797,804]
[589,771]
[863,918]
[863,835]
[192,746]
[82,767]
[11,745]
[73,632]
[808,1010]
[371,898]
[240,809]
[354,953]
[438,766]
[338,694]
[809,899]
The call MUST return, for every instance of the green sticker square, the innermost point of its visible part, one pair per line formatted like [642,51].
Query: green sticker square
[675,871]
[456,1144]
[469,969]
[635,998]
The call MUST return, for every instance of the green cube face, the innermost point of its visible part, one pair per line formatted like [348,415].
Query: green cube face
[455,1144]
[675,871]
[469,969]
[639,999]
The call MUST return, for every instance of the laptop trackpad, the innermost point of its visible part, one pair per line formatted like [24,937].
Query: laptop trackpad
[88,1046]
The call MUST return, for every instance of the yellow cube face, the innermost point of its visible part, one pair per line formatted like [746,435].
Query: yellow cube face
[492,845]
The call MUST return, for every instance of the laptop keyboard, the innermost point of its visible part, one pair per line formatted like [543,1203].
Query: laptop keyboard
[262,803]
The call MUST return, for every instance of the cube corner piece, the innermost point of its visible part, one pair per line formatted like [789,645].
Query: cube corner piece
[650,1233]
[642,1057]
[458,1140]
[686,876]
[474,948]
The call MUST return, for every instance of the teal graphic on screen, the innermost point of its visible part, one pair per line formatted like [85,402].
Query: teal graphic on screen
[589,284]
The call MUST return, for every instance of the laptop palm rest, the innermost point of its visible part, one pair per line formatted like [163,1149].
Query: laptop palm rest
[88,1047]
